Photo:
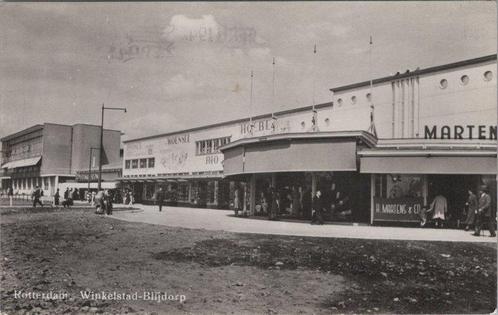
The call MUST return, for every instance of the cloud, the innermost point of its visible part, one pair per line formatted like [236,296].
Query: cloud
[181,27]
[179,85]
[260,53]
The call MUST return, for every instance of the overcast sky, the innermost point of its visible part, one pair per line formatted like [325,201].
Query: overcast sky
[182,65]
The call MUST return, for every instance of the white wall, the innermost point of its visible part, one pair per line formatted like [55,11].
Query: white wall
[402,109]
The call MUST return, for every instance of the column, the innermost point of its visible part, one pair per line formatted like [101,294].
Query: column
[215,191]
[314,181]
[189,192]
[56,186]
[252,197]
[274,180]
[50,192]
[372,194]
[244,199]
[425,186]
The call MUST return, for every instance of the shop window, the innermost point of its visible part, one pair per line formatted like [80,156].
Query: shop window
[127,164]
[151,162]
[443,84]
[134,163]
[488,76]
[143,163]
[395,186]
[464,80]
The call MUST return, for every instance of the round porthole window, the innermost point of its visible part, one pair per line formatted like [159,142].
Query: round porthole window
[443,84]
[488,76]
[353,100]
[339,101]
[303,124]
[464,79]
[327,121]
[369,97]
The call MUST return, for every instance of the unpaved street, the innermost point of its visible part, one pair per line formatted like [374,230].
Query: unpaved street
[71,251]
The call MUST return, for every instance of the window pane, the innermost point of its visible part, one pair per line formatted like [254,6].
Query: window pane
[143,163]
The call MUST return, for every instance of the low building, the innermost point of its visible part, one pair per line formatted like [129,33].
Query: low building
[380,151]
[47,155]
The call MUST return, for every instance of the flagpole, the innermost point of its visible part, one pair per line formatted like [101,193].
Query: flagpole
[273,126]
[250,105]
[372,128]
[314,114]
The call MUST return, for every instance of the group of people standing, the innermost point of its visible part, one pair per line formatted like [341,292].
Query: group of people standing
[477,212]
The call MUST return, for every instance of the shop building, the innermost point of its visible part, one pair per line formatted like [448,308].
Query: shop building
[48,155]
[380,151]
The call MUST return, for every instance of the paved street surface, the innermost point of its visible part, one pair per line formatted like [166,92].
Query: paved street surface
[210,219]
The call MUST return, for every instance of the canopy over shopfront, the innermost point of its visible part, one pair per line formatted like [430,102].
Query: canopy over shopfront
[430,159]
[295,152]
[22,163]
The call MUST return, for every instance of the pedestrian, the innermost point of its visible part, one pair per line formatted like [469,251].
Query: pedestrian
[471,206]
[10,192]
[440,207]
[317,207]
[130,203]
[75,195]
[273,202]
[56,197]
[99,202]
[107,202]
[36,197]
[160,198]
[485,215]
[236,202]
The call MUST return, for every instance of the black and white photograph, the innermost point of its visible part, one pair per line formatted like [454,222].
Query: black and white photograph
[301,157]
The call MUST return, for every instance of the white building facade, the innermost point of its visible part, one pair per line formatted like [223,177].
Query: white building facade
[392,143]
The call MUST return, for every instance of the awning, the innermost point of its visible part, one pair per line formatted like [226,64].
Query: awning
[93,185]
[22,163]
[293,153]
[428,164]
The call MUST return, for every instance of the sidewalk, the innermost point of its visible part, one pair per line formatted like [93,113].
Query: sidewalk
[224,220]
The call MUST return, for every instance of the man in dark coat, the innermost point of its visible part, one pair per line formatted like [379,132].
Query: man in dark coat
[36,197]
[57,197]
[485,215]
[160,198]
[318,208]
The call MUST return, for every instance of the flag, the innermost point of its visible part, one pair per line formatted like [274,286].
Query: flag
[314,50]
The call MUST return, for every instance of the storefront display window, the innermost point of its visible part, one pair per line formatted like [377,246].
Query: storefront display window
[398,197]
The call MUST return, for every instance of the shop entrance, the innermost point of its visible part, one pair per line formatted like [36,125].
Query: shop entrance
[455,189]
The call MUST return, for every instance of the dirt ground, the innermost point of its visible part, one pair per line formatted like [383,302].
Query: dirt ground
[69,251]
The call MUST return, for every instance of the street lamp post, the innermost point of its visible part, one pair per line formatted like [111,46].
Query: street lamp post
[90,166]
[102,139]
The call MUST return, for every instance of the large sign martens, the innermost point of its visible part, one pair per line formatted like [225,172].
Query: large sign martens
[481,132]
[397,209]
